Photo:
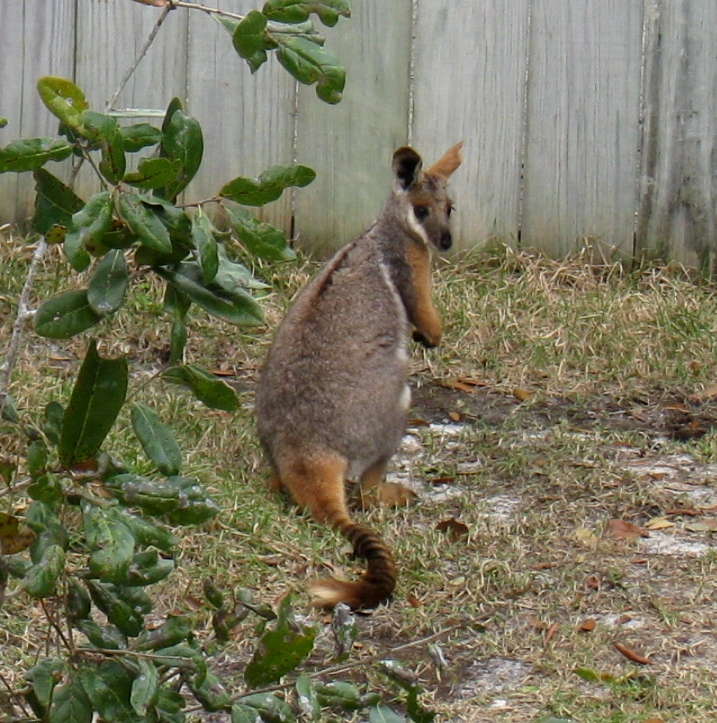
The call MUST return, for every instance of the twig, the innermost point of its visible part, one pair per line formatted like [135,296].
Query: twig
[23,314]
[143,51]
[205,9]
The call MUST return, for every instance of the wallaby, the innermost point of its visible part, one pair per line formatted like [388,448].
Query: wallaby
[332,399]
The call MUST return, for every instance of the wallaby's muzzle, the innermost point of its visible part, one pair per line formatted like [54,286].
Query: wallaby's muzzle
[446,242]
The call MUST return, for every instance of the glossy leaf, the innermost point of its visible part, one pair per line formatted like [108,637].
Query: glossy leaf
[210,390]
[108,284]
[182,141]
[260,239]
[65,315]
[310,63]
[384,714]
[233,275]
[110,541]
[63,99]
[108,685]
[87,230]
[145,688]
[297,11]
[248,36]
[154,173]
[307,699]
[77,602]
[269,186]
[157,440]
[41,579]
[44,677]
[125,616]
[102,636]
[195,505]
[54,202]
[144,223]
[148,532]
[104,130]
[236,307]
[70,703]
[210,692]
[154,497]
[269,707]
[52,421]
[139,135]
[27,154]
[96,400]
[206,245]
[174,630]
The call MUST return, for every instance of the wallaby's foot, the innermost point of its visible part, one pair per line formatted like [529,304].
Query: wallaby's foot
[386,494]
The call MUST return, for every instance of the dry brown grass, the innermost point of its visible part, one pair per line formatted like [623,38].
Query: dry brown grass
[603,358]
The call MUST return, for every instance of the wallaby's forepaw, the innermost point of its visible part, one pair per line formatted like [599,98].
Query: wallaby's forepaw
[429,340]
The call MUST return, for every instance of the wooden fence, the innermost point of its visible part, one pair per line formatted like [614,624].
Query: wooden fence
[583,120]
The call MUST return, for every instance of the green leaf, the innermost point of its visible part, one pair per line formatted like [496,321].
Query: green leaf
[296,11]
[236,307]
[310,63]
[63,99]
[269,186]
[36,458]
[110,541]
[157,440]
[41,579]
[206,244]
[102,636]
[70,703]
[77,601]
[139,135]
[279,650]
[145,688]
[232,275]
[339,694]
[260,239]
[210,692]
[174,630]
[182,141]
[3,122]
[144,223]
[248,36]
[147,532]
[65,315]
[307,700]
[44,677]
[210,390]
[154,173]
[27,154]
[52,421]
[108,284]
[126,617]
[96,400]
[151,496]
[383,714]
[103,129]
[54,202]
[269,707]
[108,686]
[195,506]
[87,230]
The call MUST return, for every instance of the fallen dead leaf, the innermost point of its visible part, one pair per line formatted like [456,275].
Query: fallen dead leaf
[453,528]
[587,626]
[454,416]
[624,530]
[550,633]
[658,523]
[522,394]
[707,524]
[631,654]
[457,386]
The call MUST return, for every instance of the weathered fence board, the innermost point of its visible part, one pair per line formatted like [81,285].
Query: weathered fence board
[678,174]
[588,119]
[469,85]
[36,38]
[351,144]
[581,150]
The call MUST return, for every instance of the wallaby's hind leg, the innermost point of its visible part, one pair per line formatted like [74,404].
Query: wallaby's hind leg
[374,491]
[316,482]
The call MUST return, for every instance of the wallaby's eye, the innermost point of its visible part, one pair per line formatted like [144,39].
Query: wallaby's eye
[421,212]
[450,209]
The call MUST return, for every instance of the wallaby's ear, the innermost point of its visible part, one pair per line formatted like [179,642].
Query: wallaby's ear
[447,163]
[406,166]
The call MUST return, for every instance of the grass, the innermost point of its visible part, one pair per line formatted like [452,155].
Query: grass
[571,383]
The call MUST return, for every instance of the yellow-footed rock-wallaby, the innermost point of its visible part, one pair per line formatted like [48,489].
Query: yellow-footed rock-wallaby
[332,399]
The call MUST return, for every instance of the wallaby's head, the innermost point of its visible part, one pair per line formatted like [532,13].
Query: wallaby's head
[420,198]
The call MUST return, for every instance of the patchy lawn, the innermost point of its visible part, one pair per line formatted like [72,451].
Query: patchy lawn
[559,563]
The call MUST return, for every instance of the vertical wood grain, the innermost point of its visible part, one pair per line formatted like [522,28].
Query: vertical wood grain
[36,39]
[248,120]
[469,85]
[351,145]
[581,152]
[678,181]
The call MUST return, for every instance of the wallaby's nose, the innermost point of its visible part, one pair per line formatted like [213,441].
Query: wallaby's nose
[446,242]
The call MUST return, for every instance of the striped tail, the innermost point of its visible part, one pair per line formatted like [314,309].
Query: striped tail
[375,586]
